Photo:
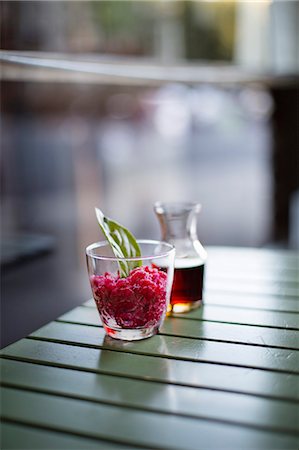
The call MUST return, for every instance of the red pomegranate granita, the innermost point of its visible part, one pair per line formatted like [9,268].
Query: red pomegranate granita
[136,301]
[130,289]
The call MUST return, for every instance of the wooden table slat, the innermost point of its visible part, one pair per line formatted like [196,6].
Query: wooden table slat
[251,302]
[226,332]
[276,337]
[223,376]
[215,285]
[15,436]
[270,319]
[180,400]
[137,427]
[261,277]
[213,313]
[178,348]
[162,370]
[266,259]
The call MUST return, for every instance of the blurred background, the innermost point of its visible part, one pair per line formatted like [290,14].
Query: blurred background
[69,144]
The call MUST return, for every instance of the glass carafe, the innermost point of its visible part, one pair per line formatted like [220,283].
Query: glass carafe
[178,227]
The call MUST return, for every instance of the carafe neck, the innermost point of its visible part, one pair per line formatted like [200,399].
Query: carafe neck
[178,223]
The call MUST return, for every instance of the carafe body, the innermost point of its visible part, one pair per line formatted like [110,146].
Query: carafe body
[178,223]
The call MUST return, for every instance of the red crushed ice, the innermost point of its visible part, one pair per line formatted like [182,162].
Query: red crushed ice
[136,301]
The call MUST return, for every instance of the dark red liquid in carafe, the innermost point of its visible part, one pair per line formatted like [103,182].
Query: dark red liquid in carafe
[187,288]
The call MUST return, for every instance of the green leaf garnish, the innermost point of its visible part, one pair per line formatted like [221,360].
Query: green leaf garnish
[122,243]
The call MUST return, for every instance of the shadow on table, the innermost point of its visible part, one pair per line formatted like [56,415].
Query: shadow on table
[118,359]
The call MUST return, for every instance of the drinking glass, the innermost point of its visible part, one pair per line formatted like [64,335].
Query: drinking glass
[131,307]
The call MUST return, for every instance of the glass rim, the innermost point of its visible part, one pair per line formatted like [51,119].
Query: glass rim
[100,244]
[161,206]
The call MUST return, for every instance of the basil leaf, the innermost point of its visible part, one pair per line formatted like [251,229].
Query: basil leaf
[122,243]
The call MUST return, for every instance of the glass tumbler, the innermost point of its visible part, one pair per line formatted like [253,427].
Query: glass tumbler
[178,222]
[131,307]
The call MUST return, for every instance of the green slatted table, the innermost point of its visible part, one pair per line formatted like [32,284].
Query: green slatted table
[225,376]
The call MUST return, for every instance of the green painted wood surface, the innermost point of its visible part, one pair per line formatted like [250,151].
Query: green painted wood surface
[180,400]
[212,376]
[263,336]
[153,430]
[223,376]
[252,288]
[26,438]
[274,319]
[179,348]
[271,268]
[259,276]
[271,319]
[260,260]
[266,337]
[247,301]
[281,276]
